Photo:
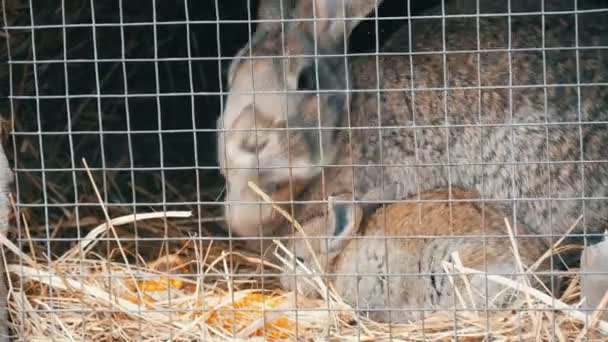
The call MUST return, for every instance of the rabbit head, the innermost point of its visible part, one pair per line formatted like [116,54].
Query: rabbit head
[273,137]
[327,236]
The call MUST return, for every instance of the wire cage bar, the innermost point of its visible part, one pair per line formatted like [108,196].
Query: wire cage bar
[304,169]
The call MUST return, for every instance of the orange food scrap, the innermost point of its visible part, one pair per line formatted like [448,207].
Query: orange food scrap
[147,300]
[160,285]
[157,285]
[250,309]
[279,329]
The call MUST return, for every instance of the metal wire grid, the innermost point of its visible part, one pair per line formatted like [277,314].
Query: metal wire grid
[130,133]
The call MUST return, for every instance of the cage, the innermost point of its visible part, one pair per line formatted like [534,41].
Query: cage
[304,170]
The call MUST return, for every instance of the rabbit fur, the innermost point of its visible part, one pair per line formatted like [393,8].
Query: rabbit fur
[494,130]
[397,252]
[594,274]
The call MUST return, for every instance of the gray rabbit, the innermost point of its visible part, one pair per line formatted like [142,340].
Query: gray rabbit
[392,258]
[408,123]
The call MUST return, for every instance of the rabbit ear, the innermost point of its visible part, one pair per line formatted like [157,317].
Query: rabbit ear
[344,218]
[271,10]
[345,15]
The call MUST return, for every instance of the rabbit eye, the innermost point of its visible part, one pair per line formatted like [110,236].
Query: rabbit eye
[253,148]
[307,79]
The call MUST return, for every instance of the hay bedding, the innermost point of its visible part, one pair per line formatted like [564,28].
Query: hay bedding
[195,292]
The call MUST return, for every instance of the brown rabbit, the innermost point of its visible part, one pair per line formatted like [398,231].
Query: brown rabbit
[392,258]
[479,120]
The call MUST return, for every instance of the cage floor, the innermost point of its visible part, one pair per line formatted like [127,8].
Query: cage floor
[201,289]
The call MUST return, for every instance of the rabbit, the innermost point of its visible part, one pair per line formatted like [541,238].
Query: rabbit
[339,180]
[594,274]
[477,120]
[388,241]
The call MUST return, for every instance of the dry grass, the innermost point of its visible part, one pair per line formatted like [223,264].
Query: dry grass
[205,290]
[84,296]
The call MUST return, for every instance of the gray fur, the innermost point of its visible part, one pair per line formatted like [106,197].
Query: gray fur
[532,147]
[498,139]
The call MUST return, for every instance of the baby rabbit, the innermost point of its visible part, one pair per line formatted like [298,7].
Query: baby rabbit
[476,120]
[410,240]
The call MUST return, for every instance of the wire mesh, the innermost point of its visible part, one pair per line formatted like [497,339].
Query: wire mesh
[307,169]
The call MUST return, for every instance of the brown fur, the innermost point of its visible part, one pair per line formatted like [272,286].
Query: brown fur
[397,253]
